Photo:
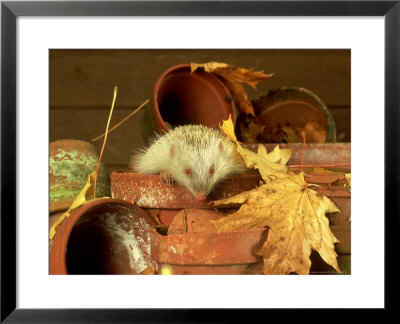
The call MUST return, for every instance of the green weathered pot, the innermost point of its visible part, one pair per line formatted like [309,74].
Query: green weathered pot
[70,163]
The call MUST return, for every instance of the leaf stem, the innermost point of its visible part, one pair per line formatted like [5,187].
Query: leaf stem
[105,139]
[122,121]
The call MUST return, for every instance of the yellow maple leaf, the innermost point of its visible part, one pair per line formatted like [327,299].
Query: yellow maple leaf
[234,77]
[266,163]
[81,199]
[296,219]
[208,67]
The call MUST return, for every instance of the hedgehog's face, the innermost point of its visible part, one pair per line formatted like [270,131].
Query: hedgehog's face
[199,171]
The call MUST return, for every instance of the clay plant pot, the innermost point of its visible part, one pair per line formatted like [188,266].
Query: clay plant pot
[314,153]
[191,245]
[71,161]
[181,97]
[149,191]
[105,236]
[298,108]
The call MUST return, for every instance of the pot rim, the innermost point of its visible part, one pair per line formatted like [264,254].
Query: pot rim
[168,248]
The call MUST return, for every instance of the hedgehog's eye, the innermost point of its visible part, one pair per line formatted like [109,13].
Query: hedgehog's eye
[188,172]
[212,170]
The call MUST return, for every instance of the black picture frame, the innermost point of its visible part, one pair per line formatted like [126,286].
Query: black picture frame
[10,10]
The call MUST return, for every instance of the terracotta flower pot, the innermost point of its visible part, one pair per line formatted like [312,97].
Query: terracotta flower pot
[297,108]
[192,246]
[71,161]
[181,97]
[314,153]
[105,236]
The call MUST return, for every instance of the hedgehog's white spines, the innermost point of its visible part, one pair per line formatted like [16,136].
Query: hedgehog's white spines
[195,147]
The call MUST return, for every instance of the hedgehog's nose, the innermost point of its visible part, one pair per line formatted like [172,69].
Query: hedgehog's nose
[201,197]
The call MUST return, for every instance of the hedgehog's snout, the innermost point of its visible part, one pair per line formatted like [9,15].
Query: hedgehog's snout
[200,197]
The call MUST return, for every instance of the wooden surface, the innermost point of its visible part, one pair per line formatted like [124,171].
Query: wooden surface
[82,82]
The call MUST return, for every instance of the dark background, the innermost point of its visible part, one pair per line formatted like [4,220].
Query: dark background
[82,82]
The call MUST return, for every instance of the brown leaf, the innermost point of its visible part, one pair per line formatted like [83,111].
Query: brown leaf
[250,133]
[240,75]
[239,96]
[234,77]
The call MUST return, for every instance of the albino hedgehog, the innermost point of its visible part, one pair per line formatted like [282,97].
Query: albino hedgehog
[195,156]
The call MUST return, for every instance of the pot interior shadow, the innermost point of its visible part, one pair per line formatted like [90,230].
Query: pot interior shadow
[109,239]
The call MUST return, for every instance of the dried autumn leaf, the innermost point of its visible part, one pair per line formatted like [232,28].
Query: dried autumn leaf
[251,133]
[81,199]
[208,67]
[234,77]
[334,178]
[275,133]
[292,135]
[348,178]
[233,73]
[239,96]
[266,163]
[323,171]
[255,129]
[277,155]
[296,217]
